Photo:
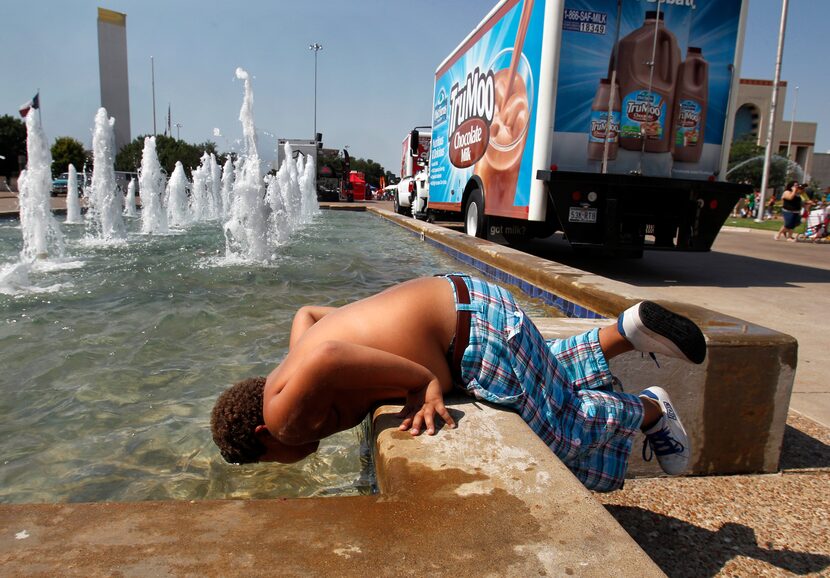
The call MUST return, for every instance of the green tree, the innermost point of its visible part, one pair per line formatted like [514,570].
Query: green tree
[331,166]
[169,150]
[12,144]
[67,150]
[370,169]
[746,165]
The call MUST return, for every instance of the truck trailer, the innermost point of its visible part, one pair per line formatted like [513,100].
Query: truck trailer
[608,120]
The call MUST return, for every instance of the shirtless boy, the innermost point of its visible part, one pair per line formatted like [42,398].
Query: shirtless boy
[415,340]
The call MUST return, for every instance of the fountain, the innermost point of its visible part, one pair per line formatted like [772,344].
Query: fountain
[246,231]
[73,203]
[105,205]
[792,169]
[152,182]
[130,209]
[178,212]
[227,186]
[201,201]
[42,236]
[142,341]
[215,181]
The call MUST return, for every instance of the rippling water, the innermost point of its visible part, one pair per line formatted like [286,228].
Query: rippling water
[112,359]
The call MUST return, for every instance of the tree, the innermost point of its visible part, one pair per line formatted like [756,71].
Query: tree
[169,151]
[371,170]
[12,144]
[332,166]
[746,165]
[67,150]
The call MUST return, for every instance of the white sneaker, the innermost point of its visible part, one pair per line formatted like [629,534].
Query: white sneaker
[651,328]
[667,438]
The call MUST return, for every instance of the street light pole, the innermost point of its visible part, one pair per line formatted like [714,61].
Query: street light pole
[316,47]
[773,103]
[178,126]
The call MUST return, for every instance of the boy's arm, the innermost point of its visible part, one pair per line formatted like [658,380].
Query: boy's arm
[306,408]
[305,317]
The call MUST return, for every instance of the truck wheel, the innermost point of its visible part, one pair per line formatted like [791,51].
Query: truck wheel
[396,205]
[474,221]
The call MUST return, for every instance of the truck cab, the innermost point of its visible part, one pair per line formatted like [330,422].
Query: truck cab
[413,188]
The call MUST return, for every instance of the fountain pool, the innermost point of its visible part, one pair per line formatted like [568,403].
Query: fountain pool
[113,359]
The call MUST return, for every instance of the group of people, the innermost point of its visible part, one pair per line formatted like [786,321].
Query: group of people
[795,205]
[418,340]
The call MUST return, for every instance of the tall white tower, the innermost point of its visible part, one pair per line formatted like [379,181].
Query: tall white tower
[112,70]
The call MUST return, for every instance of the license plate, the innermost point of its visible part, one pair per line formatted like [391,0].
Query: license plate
[582,215]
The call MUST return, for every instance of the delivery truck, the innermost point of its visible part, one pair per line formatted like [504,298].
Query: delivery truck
[608,120]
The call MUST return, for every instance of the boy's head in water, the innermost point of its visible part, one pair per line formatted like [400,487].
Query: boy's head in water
[239,430]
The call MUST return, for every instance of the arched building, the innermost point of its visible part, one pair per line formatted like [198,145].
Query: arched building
[752,122]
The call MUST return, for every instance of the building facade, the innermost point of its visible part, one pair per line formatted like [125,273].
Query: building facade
[793,140]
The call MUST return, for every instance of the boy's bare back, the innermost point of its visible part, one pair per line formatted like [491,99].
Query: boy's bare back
[386,346]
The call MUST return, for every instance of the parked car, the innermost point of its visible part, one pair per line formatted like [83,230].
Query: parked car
[326,194]
[59,184]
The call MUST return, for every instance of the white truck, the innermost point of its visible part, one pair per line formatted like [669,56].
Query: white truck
[608,120]
[411,197]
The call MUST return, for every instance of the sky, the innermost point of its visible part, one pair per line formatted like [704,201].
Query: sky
[374,74]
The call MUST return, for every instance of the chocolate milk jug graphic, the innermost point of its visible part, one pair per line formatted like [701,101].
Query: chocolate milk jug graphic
[691,98]
[602,124]
[645,122]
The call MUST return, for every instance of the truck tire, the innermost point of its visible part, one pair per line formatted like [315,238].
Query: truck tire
[397,206]
[474,220]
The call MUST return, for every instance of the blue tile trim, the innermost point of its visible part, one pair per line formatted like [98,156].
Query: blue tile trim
[567,307]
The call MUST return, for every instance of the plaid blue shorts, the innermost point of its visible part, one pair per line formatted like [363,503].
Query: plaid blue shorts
[562,388]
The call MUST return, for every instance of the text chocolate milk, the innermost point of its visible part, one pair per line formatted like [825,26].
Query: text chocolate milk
[690,103]
[603,124]
[646,114]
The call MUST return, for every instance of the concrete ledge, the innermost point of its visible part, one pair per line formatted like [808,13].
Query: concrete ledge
[486,499]
[734,404]
[497,476]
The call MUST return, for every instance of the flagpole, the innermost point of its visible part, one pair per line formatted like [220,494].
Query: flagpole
[153,73]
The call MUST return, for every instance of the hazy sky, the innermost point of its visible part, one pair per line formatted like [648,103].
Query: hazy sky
[375,72]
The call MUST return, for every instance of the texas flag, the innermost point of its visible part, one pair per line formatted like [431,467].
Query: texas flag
[34,103]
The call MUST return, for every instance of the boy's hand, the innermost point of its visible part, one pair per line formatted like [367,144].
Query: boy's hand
[421,407]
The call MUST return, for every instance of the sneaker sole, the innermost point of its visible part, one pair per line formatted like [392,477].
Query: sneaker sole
[674,330]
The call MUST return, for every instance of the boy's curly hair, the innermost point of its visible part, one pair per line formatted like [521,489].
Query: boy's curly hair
[234,419]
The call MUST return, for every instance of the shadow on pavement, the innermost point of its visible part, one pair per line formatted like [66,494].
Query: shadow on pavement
[682,549]
[800,451]
[665,269]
